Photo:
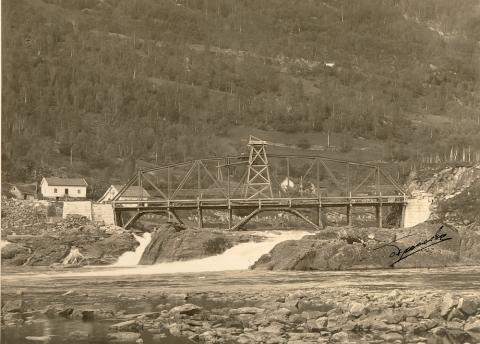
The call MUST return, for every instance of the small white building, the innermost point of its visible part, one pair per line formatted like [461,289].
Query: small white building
[57,188]
[132,193]
[287,184]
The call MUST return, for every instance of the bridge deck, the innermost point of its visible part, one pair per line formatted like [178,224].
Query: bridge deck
[258,203]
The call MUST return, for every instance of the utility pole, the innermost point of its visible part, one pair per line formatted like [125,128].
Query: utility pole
[71,155]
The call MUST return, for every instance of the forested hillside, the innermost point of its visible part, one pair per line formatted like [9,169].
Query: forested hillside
[106,82]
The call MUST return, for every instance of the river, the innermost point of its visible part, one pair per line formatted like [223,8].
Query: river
[224,282]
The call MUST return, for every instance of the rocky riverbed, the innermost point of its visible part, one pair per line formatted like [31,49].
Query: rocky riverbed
[394,306]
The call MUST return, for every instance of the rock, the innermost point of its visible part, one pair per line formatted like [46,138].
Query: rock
[439,331]
[274,328]
[146,315]
[246,310]
[392,337]
[187,309]
[41,339]
[66,313]
[357,309]
[340,337]
[448,302]
[14,306]
[175,329]
[468,305]
[347,248]
[473,326]
[127,326]
[455,314]
[432,310]
[85,315]
[178,296]
[79,334]
[391,316]
[172,242]
[123,337]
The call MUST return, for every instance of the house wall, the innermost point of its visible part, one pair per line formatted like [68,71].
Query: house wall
[109,195]
[73,191]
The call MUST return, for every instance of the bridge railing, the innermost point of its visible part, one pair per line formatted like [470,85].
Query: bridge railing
[291,177]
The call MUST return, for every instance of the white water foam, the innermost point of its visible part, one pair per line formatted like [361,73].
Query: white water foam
[133,258]
[4,243]
[239,257]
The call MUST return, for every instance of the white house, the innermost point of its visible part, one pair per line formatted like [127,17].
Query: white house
[287,184]
[53,187]
[132,193]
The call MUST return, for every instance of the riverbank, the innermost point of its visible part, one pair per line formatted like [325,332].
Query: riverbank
[407,306]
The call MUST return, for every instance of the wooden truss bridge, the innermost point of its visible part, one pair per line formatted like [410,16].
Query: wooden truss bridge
[299,184]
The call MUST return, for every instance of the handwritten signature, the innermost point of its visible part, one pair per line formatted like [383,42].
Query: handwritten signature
[400,254]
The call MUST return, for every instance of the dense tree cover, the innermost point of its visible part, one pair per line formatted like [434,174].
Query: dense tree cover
[106,82]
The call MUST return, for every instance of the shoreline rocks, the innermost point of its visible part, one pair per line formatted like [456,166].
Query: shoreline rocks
[430,244]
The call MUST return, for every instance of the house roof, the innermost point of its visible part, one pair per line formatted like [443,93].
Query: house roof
[26,188]
[55,181]
[132,191]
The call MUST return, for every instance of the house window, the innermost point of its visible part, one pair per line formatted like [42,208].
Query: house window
[78,191]
[55,190]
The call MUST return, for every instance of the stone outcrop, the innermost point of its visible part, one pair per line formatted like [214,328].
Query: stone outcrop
[173,242]
[34,241]
[426,245]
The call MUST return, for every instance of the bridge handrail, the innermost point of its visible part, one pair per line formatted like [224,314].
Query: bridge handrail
[376,197]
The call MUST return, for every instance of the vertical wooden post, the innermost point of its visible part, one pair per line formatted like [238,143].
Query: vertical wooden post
[288,177]
[230,216]
[200,216]
[228,180]
[318,179]
[139,178]
[402,215]
[168,183]
[349,194]
[199,180]
[319,216]
[349,215]
[379,215]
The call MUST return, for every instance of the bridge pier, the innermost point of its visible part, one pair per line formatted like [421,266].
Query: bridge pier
[200,217]
[319,217]
[349,215]
[402,215]
[118,219]
[379,215]
[230,217]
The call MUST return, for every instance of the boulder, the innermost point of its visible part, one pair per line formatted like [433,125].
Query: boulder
[448,303]
[424,245]
[468,305]
[127,326]
[246,310]
[473,326]
[357,309]
[123,337]
[14,306]
[173,242]
[187,309]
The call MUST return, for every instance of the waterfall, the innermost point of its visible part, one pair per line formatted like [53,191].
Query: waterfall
[239,257]
[132,258]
